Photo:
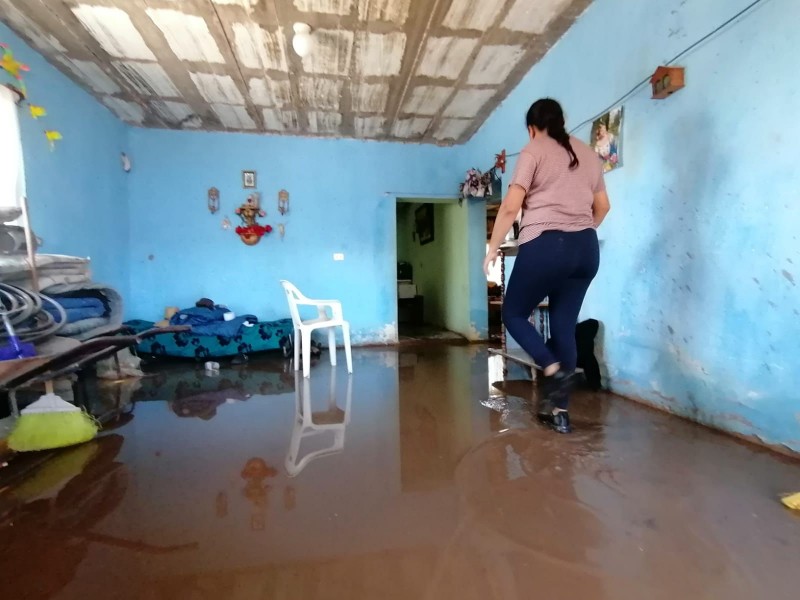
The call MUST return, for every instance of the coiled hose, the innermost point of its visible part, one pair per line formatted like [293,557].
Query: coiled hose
[24,309]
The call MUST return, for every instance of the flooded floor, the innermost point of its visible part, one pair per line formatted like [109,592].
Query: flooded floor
[412,479]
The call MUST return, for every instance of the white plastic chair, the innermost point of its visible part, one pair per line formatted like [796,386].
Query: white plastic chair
[326,320]
[309,425]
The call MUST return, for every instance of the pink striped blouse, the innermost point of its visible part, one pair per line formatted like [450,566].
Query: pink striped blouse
[557,198]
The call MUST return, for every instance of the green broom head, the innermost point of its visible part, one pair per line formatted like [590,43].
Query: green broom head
[49,423]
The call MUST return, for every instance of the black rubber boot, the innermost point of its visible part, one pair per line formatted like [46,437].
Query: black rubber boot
[556,391]
[558,421]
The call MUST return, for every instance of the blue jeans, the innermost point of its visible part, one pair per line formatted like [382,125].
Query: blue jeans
[559,266]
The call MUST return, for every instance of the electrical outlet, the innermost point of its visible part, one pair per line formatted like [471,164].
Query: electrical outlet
[338,256]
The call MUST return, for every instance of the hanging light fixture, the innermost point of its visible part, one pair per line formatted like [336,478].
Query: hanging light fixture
[302,39]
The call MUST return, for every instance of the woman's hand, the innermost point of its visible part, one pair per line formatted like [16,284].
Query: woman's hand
[488,262]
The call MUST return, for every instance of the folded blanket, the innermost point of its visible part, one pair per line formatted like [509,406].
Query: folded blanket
[81,329]
[88,328]
[72,303]
[78,309]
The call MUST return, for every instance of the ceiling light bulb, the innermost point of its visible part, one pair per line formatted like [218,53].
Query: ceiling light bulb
[302,39]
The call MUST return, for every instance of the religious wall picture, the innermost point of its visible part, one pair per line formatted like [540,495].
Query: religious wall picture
[423,220]
[248,179]
[607,139]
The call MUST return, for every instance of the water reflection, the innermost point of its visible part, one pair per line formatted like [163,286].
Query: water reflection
[432,495]
[48,519]
[314,426]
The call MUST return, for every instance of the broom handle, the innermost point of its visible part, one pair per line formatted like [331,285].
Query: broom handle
[29,244]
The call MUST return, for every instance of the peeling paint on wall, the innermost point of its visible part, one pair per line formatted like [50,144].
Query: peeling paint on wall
[446,56]
[451,129]
[233,117]
[369,127]
[149,79]
[187,35]
[333,50]
[269,92]
[280,120]
[89,72]
[533,17]
[467,103]
[43,41]
[411,128]
[332,7]
[320,93]
[427,100]
[370,97]
[243,3]
[217,88]
[127,111]
[394,11]
[473,14]
[258,48]
[384,53]
[173,113]
[494,63]
[380,55]
[114,31]
[324,122]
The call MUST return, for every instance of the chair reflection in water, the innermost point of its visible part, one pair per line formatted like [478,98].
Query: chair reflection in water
[310,426]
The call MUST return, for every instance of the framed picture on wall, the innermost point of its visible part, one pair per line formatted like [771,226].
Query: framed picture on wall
[248,179]
[607,139]
[423,218]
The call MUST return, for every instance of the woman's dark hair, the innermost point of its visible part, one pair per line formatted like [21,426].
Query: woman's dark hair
[546,115]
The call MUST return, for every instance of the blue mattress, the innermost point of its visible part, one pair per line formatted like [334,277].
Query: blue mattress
[267,335]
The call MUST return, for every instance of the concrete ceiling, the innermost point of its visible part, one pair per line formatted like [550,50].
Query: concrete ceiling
[405,70]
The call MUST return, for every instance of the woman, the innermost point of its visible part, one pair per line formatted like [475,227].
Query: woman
[558,183]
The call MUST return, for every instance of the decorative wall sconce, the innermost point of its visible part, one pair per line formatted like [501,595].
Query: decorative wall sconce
[213,200]
[283,202]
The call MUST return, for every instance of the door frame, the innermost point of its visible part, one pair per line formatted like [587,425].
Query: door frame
[476,244]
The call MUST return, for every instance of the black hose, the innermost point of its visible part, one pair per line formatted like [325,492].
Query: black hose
[25,311]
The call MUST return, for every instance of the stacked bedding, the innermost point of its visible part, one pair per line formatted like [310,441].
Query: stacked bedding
[53,269]
[92,309]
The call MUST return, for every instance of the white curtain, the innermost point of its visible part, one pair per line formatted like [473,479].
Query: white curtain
[12,169]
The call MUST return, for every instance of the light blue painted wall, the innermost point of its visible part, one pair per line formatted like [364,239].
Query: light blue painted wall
[698,288]
[77,193]
[337,201]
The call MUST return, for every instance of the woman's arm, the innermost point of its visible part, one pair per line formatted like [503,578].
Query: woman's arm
[509,210]
[600,208]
